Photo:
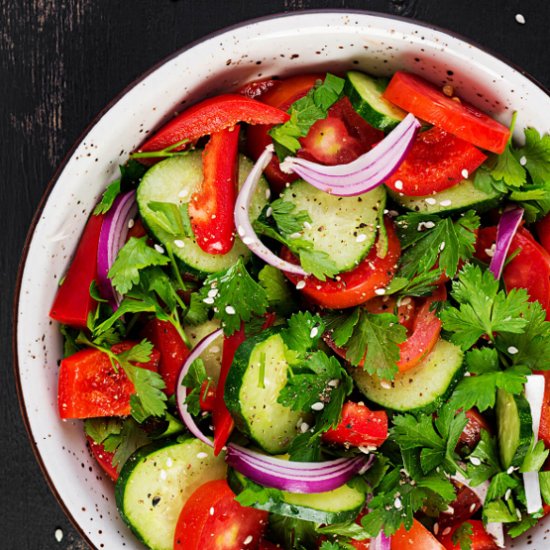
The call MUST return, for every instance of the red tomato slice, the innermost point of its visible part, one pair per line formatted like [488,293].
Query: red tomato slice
[529,269]
[481,540]
[230,527]
[417,537]
[543,232]
[436,161]
[172,349]
[73,302]
[89,387]
[353,287]
[421,98]
[103,458]
[405,311]
[359,426]
[471,435]
[462,508]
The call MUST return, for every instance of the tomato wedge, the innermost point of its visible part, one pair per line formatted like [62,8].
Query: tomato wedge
[103,458]
[230,526]
[436,161]
[73,302]
[172,349]
[462,508]
[353,287]
[421,98]
[89,387]
[417,537]
[471,435]
[359,427]
[481,540]
[529,269]
[213,115]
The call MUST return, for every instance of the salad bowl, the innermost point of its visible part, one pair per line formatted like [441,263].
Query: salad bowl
[281,46]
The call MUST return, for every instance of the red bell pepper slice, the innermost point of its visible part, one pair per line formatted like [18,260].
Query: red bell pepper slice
[359,427]
[212,207]
[172,349]
[73,302]
[207,396]
[89,387]
[211,116]
[103,458]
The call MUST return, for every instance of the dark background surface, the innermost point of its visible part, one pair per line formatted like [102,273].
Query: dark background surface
[62,61]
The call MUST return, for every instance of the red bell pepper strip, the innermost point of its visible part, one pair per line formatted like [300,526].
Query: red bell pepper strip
[221,417]
[359,427]
[73,302]
[211,208]
[211,116]
[89,387]
[207,396]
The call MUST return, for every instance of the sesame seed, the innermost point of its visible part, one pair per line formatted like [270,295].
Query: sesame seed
[446,531]
[208,301]
[523,161]
[518,513]
[448,90]
[397,503]
[425,225]
[212,510]
[183,193]
[446,202]
[58,534]
[520,18]
[179,243]
[472,507]
[230,310]
[269,211]
[399,185]
[475,461]
[240,231]
[507,494]
[213,292]
[512,350]
[304,427]
[314,332]
[385,384]
[300,285]
[159,249]
[510,470]
[248,241]
[334,383]
[163,474]
[380,291]
[267,193]
[464,173]
[131,223]
[318,406]
[296,235]
[430,200]
[361,238]
[169,462]
[202,455]
[442,246]
[307,225]
[248,540]
[491,251]
[436,528]
[365,449]
[449,510]
[214,349]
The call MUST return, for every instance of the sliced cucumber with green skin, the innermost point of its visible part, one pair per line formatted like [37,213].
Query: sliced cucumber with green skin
[157,480]
[365,93]
[457,198]
[338,506]
[258,373]
[421,389]
[515,428]
[343,227]
[212,357]
[175,180]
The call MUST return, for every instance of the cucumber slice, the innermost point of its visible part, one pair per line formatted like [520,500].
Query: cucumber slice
[515,428]
[365,93]
[257,375]
[175,180]
[421,389]
[212,357]
[338,506]
[343,227]
[155,483]
[457,198]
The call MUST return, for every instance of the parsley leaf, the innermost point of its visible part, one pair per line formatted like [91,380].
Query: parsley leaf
[304,331]
[487,462]
[279,295]
[288,221]
[483,308]
[193,381]
[108,198]
[238,296]
[500,483]
[134,256]
[171,218]
[537,156]
[463,536]
[535,458]
[371,338]
[544,480]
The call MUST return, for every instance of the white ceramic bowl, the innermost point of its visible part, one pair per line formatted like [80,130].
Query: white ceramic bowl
[280,45]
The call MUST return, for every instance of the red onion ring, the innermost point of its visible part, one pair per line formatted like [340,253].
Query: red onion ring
[506,229]
[380,542]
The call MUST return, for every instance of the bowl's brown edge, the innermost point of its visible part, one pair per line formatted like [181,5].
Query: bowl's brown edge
[96,119]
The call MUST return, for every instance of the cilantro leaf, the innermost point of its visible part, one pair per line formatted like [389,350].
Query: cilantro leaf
[134,256]
[509,169]
[535,458]
[197,312]
[487,462]
[193,380]
[108,198]
[536,152]
[130,439]
[500,484]
[238,296]
[99,429]
[497,511]
[483,308]
[304,331]
[288,221]
[171,218]
[279,295]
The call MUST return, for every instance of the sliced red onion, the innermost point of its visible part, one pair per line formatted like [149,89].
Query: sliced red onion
[364,173]
[534,393]
[479,490]
[296,477]
[496,530]
[380,542]
[181,390]
[242,218]
[114,231]
[507,227]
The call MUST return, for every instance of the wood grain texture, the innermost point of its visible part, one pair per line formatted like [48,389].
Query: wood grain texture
[61,61]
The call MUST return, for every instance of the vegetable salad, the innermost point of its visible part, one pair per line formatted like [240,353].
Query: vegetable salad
[314,314]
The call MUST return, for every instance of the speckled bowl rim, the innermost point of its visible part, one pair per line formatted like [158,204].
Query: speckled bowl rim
[53,180]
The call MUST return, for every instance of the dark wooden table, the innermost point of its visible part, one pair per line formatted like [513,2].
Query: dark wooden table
[61,61]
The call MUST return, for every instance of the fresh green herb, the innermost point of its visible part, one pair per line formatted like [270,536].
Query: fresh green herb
[544,480]
[304,113]
[483,308]
[193,381]
[485,463]
[304,332]
[170,151]
[253,493]
[292,532]
[197,312]
[235,296]
[328,545]
[535,458]
[279,295]
[288,221]
[69,340]
[498,511]
[108,198]
[171,218]
[463,536]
